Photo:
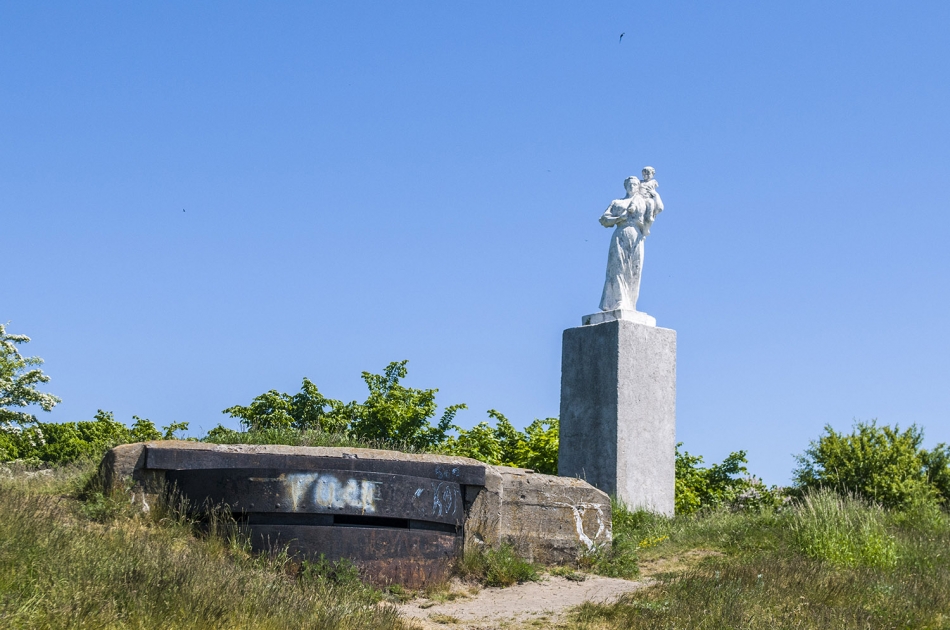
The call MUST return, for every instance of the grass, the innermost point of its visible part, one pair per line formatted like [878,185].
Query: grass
[497,567]
[843,531]
[568,573]
[66,563]
[72,557]
[294,437]
[829,562]
[621,559]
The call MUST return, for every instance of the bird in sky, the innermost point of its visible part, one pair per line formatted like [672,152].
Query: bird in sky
[621,36]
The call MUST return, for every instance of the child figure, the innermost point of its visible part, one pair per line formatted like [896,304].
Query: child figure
[648,189]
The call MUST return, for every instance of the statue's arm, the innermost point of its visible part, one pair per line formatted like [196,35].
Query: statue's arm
[613,215]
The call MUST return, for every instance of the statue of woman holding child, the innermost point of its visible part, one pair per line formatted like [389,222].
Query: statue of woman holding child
[631,218]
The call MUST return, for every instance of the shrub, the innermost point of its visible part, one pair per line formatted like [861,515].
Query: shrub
[341,572]
[755,495]
[481,442]
[306,410]
[843,530]
[880,463]
[936,464]
[535,448]
[698,487]
[59,443]
[391,412]
[396,413]
[542,438]
[392,416]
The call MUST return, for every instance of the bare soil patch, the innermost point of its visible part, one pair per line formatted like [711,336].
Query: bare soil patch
[676,563]
[535,604]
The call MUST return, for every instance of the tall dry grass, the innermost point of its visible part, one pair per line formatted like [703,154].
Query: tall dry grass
[98,564]
[829,562]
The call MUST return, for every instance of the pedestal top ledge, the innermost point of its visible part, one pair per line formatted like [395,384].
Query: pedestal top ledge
[609,316]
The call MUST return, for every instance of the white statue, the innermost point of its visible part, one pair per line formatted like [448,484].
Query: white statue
[631,218]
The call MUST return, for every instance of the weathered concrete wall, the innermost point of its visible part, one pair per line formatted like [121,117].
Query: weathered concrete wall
[551,519]
[123,467]
[546,518]
[618,411]
[483,524]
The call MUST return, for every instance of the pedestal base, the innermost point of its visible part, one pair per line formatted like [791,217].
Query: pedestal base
[618,411]
[610,316]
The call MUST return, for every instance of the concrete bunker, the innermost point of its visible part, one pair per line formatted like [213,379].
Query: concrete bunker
[401,518]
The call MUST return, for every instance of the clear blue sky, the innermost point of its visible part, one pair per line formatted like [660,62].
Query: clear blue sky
[365,183]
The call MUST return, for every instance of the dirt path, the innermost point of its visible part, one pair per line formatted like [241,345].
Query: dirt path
[540,602]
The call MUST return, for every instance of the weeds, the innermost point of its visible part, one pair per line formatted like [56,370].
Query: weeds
[287,436]
[621,558]
[497,567]
[342,573]
[842,530]
[568,573]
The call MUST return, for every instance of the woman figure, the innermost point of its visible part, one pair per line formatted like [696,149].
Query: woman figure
[631,223]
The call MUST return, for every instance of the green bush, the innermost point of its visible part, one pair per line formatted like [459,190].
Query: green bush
[843,530]
[60,443]
[392,416]
[342,572]
[535,448]
[879,463]
[391,412]
[306,410]
[725,484]
[395,413]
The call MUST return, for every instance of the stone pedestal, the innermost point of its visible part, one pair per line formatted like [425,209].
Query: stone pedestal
[618,411]
[609,316]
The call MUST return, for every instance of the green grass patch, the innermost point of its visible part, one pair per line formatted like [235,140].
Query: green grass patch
[290,436]
[825,562]
[843,530]
[497,567]
[59,568]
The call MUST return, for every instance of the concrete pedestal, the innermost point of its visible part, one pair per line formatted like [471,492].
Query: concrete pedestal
[618,411]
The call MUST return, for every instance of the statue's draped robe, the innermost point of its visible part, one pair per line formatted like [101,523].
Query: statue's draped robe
[625,257]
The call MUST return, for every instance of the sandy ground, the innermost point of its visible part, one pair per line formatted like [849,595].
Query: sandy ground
[533,604]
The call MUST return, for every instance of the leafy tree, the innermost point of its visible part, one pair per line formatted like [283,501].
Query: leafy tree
[391,412]
[399,414]
[540,446]
[480,442]
[19,377]
[306,410]
[698,487]
[880,463]
[504,445]
[498,446]
[937,470]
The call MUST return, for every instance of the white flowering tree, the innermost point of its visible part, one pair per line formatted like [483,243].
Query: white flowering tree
[19,377]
